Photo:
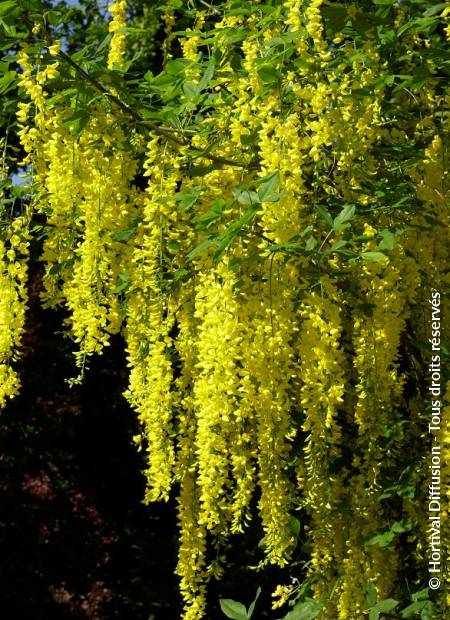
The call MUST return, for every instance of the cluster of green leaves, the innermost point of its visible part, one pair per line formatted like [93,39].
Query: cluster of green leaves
[238,611]
[421,606]
[385,538]
[304,607]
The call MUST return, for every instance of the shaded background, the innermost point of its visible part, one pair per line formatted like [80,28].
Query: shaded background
[75,538]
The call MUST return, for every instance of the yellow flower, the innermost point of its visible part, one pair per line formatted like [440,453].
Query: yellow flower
[55,48]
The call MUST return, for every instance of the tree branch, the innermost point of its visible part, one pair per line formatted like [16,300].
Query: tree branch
[135,116]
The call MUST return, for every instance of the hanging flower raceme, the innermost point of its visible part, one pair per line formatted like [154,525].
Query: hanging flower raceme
[376,338]
[215,391]
[117,10]
[322,377]
[15,236]
[104,208]
[149,319]
[191,566]
[14,256]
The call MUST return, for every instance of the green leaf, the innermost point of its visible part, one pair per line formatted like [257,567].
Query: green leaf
[177,66]
[162,82]
[247,198]
[383,607]
[191,90]
[421,595]
[7,81]
[344,216]
[7,7]
[251,608]
[310,244]
[338,245]
[205,220]
[388,240]
[124,235]
[76,122]
[404,487]
[104,45]
[53,17]
[268,74]
[306,610]
[268,186]
[381,540]
[433,10]
[207,76]
[182,275]
[414,609]
[295,525]
[375,257]
[201,248]
[233,609]
[233,230]
[400,202]
[363,23]
[123,282]
[429,611]
[186,201]
[371,595]
[173,246]
[284,40]
[325,216]
[335,17]
[405,525]
[420,24]
[248,138]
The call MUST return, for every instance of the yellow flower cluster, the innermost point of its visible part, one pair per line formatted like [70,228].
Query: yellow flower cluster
[117,10]
[87,199]
[14,250]
[149,320]
[191,565]
[323,375]
[376,340]
[215,387]
[104,207]
[431,251]
[14,241]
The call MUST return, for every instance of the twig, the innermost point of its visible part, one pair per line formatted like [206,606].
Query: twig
[135,116]
[160,131]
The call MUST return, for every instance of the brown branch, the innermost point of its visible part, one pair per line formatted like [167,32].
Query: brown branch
[135,116]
